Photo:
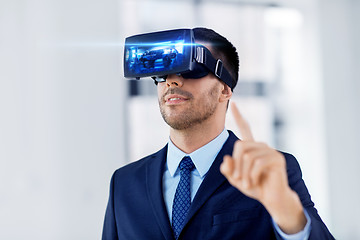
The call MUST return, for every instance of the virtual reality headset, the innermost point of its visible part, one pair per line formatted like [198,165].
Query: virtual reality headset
[159,54]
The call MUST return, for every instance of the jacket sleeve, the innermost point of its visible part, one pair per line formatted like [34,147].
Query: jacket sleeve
[109,228]
[318,228]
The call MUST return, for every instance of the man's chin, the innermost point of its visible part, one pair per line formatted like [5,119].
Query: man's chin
[179,126]
[177,122]
[173,113]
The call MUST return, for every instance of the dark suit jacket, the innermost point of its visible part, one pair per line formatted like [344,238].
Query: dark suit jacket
[136,209]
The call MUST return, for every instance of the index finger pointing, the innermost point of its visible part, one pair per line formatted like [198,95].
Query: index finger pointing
[241,123]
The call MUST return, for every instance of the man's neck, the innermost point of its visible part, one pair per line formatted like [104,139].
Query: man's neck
[191,139]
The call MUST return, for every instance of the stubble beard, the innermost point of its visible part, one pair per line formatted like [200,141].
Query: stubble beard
[195,113]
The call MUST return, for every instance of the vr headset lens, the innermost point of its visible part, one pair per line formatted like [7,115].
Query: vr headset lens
[158,54]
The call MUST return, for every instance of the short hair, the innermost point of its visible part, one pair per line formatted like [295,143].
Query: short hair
[221,48]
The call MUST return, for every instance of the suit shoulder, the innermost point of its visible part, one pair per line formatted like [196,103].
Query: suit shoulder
[291,162]
[140,165]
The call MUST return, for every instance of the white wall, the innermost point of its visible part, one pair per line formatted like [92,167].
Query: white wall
[61,116]
[340,38]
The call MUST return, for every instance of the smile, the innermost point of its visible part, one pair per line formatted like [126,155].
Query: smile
[175,99]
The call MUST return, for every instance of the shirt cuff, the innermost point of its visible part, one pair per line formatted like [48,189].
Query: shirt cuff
[302,235]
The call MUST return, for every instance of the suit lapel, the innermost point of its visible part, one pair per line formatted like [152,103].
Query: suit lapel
[214,178]
[154,174]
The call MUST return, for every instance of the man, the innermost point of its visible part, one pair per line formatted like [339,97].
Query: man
[205,183]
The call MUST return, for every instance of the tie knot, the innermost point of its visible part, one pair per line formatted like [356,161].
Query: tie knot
[187,164]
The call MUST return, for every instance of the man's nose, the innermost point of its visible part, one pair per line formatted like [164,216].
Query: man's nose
[174,80]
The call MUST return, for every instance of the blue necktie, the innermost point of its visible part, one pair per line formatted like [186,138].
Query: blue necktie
[182,199]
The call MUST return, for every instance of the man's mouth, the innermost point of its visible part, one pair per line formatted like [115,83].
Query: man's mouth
[174,96]
[175,99]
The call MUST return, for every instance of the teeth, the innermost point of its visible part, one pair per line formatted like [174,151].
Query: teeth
[173,99]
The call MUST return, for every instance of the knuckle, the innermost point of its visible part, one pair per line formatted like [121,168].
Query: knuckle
[238,148]
[259,162]
[247,157]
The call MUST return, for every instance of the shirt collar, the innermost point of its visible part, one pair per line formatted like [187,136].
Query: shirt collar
[202,157]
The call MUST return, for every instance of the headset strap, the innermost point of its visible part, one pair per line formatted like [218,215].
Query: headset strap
[204,56]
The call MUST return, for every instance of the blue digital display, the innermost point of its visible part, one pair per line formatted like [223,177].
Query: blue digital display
[154,58]
[157,54]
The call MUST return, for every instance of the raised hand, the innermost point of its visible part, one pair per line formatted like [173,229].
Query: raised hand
[259,172]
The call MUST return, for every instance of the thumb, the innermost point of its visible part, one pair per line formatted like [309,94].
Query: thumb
[227,166]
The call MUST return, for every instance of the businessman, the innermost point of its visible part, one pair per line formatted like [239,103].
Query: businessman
[206,183]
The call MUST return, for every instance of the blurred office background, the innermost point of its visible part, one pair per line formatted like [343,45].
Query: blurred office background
[68,118]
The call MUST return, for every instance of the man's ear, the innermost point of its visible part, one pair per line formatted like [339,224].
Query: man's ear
[226,93]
